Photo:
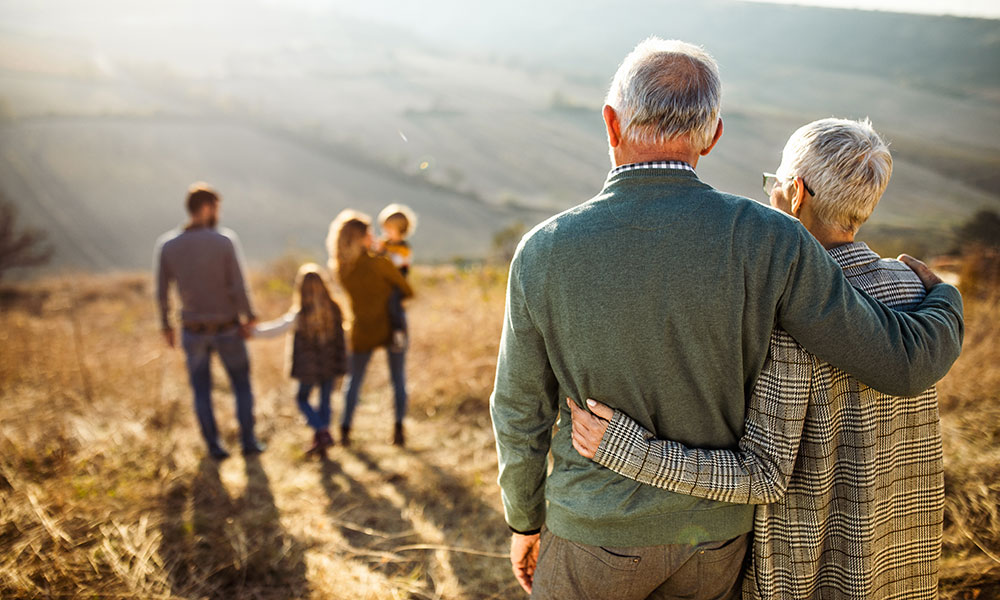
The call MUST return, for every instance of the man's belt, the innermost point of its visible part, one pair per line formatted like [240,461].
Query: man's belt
[209,328]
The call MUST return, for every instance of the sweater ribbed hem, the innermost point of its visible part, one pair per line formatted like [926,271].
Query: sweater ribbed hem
[723,522]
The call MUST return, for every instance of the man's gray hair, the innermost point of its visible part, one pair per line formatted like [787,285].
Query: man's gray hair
[665,89]
[846,163]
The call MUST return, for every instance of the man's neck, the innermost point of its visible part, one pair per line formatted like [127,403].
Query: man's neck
[627,154]
[197,224]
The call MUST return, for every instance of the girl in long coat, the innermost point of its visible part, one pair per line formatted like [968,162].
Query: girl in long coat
[317,349]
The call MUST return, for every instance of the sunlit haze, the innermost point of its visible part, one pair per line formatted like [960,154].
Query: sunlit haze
[988,9]
[477,117]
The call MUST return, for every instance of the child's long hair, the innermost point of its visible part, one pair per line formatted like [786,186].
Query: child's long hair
[318,314]
[345,241]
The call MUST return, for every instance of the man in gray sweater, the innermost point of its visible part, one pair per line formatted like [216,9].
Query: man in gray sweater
[206,265]
[661,293]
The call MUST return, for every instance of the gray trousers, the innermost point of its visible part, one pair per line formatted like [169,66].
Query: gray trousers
[709,571]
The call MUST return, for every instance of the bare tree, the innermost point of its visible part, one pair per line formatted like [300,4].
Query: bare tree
[20,248]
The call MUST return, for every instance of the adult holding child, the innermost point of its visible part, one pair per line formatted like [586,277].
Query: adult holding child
[369,281]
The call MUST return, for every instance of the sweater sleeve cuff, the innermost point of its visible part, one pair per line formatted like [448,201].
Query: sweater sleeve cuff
[529,532]
[624,447]
[946,292]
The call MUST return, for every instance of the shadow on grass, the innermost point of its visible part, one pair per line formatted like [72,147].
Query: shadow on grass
[220,547]
[372,526]
[448,504]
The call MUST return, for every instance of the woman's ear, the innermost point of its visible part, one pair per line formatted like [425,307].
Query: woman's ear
[799,198]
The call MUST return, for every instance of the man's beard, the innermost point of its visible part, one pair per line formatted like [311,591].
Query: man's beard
[212,222]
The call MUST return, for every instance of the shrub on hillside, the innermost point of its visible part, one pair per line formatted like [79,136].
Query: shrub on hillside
[983,230]
[980,270]
[20,247]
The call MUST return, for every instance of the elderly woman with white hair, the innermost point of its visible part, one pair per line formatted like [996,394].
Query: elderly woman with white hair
[849,481]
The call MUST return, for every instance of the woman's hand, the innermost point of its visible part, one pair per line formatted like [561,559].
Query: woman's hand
[927,277]
[588,429]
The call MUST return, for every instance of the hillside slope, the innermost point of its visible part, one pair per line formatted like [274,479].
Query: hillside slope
[480,119]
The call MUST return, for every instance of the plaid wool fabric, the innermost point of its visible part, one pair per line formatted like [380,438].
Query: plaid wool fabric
[849,481]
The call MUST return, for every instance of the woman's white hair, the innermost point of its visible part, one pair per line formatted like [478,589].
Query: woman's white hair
[846,163]
[665,89]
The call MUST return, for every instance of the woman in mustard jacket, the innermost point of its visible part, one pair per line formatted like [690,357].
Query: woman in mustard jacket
[368,280]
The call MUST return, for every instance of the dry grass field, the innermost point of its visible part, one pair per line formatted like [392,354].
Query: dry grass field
[105,491]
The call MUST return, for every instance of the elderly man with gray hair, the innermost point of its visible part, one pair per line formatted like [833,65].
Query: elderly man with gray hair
[660,295]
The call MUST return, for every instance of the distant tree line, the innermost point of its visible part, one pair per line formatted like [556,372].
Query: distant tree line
[28,247]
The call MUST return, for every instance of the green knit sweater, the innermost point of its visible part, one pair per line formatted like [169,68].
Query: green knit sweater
[659,295]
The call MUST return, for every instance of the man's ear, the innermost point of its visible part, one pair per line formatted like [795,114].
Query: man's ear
[799,199]
[715,138]
[613,126]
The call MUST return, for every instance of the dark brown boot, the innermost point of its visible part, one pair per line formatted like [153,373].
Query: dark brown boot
[398,439]
[325,439]
[345,436]
[317,445]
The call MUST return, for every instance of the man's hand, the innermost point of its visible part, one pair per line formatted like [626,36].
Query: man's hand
[588,429]
[169,337]
[524,558]
[246,329]
[927,277]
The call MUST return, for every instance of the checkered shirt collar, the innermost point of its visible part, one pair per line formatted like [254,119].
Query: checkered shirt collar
[656,164]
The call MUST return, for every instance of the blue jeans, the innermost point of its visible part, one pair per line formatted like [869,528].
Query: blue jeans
[232,352]
[317,419]
[359,363]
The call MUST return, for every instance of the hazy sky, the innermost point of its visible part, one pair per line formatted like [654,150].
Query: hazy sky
[965,8]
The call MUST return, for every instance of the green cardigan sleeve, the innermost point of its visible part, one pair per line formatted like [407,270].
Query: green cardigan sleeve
[524,408]
[897,353]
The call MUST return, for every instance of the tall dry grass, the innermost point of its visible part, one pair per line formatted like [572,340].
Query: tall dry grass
[105,490]
[970,420]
